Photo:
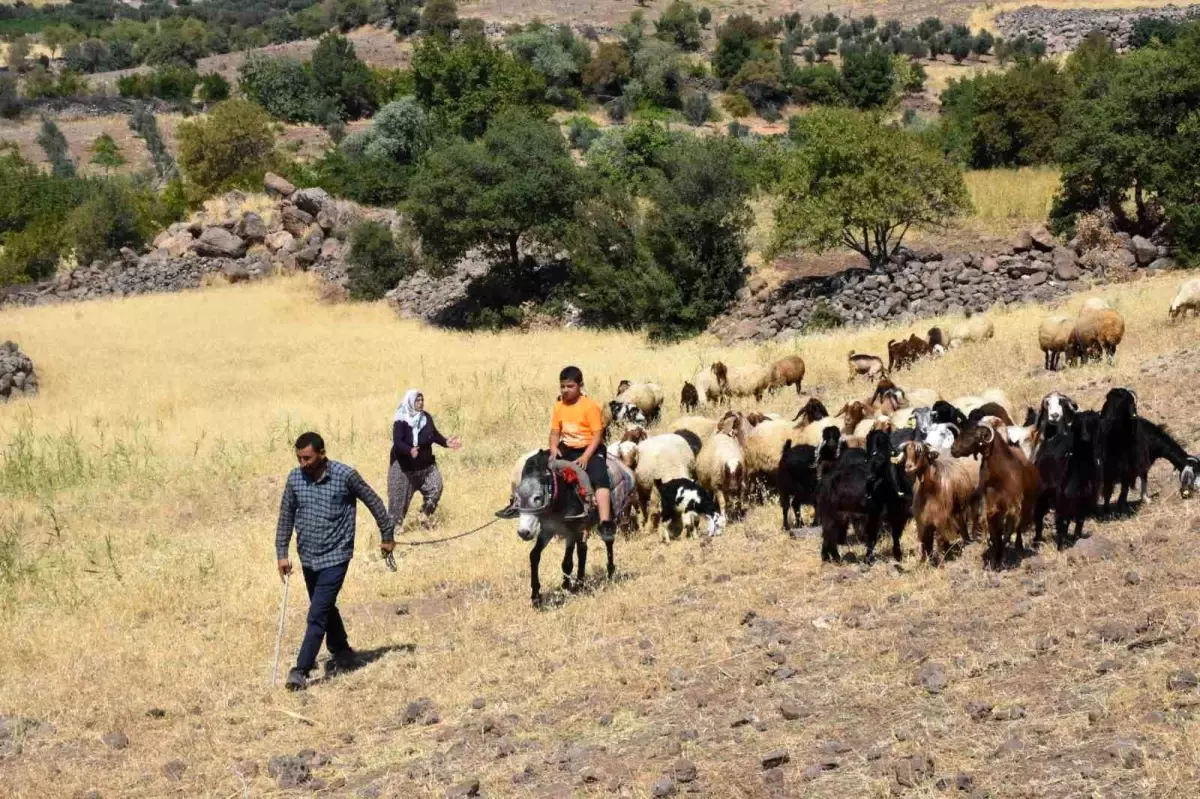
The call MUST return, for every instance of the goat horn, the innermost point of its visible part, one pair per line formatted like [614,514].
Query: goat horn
[898,459]
[991,433]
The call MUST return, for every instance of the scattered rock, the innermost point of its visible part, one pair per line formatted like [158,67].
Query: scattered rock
[115,739]
[173,770]
[17,375]
[478,703]
[1143,250]
[1094,548]
[978,710]
[1127,753]
[423,710]
[312,201]
[912,771]
[288,771]
[1132,578]
[1022,242]
[217,242]
[932,677]
[684,771]
[1114,631]
[791,709]
[775,758]
[1182,680]
[663,787]
[246,769]
[156,713]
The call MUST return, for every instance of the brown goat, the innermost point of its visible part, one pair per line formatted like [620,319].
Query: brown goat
[721,372]
[906,352]
[943,497]
[1008,484]
[637,434]
[852,413]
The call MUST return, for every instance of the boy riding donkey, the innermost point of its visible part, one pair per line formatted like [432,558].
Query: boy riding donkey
[577,436]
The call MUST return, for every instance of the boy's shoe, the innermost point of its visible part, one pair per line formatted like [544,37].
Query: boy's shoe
[582,514]
[608,532]
[509,512]
[296,681]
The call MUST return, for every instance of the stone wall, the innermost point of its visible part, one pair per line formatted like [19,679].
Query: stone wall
[17,376]
[1034,268]
[1063,29]
[238,236]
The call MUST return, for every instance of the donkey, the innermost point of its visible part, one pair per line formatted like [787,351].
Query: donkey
[548,506]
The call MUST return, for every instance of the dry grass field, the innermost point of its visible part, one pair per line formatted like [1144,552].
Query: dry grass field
[1007,199]
[138,587]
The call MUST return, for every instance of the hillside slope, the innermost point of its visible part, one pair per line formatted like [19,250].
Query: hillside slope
[136,571]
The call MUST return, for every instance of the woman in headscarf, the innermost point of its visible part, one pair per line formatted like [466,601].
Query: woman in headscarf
[413,467]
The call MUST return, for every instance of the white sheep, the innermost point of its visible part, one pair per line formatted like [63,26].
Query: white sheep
[764,447]
[746,381]
[1187,298]
[721,467]
[663,457]
[973,329]
[921,397]
[1054,336]
[711,382]
[647,397]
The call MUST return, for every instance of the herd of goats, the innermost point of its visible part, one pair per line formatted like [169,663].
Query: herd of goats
[957,469]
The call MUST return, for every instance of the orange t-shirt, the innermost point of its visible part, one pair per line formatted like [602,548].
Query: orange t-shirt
[578,424]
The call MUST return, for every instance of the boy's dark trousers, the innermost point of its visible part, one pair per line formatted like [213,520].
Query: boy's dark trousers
[324,621]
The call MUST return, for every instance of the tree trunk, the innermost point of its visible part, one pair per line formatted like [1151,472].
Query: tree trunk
[513,254]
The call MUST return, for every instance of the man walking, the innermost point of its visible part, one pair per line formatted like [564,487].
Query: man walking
[320,500]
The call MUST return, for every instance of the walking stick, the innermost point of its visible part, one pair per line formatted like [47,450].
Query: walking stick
[279,637]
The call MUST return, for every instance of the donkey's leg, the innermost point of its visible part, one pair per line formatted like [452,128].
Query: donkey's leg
[535,558]
[608,545]
[568,564]
[582,572]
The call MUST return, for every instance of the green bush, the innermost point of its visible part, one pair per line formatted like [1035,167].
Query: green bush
[377,261]
[869,79]
[54,145]
[108,221]
[697,108]
[680,25]
[232,147]
[213,88]
[171,83]
[582,132]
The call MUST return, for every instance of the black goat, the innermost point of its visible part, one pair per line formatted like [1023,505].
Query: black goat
[1070,470]
[861,489]
[945,413]
[689,398]
[813,411]
[1122,449]
[1157,443]
[797,479]
[989,409]
[692,440]
[1054,415]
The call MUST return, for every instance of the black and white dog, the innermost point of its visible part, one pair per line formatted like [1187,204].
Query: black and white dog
[685,501]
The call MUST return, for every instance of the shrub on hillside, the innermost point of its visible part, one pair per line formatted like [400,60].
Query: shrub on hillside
[377,261]
[109,220]
[171,83]
[233,146]
[213,88]
[54,145]
[680,25]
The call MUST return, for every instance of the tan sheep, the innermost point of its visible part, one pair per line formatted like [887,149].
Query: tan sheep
[1096,333]
[1186,299]
[1054,336]
[973,329]
[1095,304]
[746,381]
[647,397]
[712,382]
[764,446]
[700,425]
[721,467]
[663,457]
[868,366]
[787,371]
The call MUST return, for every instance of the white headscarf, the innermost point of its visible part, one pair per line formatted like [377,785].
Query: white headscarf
[407,412]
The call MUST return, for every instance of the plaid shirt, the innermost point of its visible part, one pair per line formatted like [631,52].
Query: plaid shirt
[323,512]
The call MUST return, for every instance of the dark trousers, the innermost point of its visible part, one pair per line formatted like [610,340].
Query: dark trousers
[324,621]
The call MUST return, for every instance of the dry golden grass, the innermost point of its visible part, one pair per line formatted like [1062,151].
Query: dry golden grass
[137,573]
[1005,199]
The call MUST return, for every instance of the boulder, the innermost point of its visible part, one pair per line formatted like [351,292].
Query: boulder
[313,201]
[989,265]
[1022,242]
[313,237]
[176,245]
[296,220]
[1143,250]
[251,227]
[281,242]
[217,242]
[235,272]
[1065,264]
[1162,263]
[277,186]
[1042,239]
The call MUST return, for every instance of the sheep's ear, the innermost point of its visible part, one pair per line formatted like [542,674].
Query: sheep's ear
[933,453]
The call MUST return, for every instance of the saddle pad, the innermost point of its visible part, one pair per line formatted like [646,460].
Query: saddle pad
[621,482]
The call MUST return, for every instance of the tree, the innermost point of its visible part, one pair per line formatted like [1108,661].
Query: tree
[855,183]
[697,108]
[739,39]
[106,153]
[869,78]
[213,88]
[440,16]
[826,43]
[54,144]
[606,74]
[18,54]
[680,25]
[400,132]
[10,98]
[144,125]
[760,80]
[516,184]
[959,48]
[982,44]
[339,75]
[704,17]
[284,87]
[231,147]
[463,84]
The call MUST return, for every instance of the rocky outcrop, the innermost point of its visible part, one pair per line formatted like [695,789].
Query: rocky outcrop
[1034,268]
[239,237]
[1064,29]
[17,376]
[422,296]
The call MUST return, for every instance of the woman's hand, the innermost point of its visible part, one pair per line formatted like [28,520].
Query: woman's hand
[414,452]
[454,442]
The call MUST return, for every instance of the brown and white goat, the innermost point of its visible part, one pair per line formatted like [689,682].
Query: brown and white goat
[944,505]
[1008,484]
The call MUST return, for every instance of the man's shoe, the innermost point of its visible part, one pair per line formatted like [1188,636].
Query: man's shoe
[608,532]
[296,681]
[346,660]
